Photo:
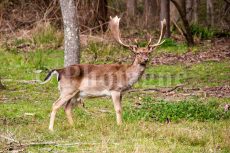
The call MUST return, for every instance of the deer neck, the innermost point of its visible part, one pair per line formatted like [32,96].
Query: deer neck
[135,71]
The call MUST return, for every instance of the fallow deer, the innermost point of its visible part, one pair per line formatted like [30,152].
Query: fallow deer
[89,80]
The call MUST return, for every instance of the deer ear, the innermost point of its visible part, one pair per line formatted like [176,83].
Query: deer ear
[150,48]
[133,48]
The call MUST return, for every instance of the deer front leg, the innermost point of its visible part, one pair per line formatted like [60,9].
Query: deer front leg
[116,97]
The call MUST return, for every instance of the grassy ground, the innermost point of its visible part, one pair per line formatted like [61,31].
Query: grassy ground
[151,123]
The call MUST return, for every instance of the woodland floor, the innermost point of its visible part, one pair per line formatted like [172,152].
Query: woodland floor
[180,105]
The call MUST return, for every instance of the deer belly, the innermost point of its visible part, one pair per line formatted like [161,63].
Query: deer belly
[94,93]
[93,88]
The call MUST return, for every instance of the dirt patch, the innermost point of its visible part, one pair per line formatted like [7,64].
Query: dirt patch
[218,50]
[183,93]
[218,91]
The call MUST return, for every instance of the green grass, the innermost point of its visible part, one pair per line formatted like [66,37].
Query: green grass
[189,110]
[197,124]
[171,46]
[197,75]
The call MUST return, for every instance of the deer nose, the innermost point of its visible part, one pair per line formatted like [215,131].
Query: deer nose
[146,59]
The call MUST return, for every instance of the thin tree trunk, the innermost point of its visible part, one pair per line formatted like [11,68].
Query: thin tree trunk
[131,6]
[174,14]
[182,11]
[189,9]
[210,15]
[102,12]
[165,14]
[195,11]
[150,12]
[71,32]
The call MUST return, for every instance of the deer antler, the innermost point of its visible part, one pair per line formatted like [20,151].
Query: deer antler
[114,27]
[163,29]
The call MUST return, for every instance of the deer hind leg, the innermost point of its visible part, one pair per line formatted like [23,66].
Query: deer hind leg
[68,111]
[60,102]
[69,107]
[116,97]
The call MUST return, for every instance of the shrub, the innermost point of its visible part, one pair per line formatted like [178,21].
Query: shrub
[202,31]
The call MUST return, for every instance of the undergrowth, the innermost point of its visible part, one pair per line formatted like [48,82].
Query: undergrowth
[175,111]
[46,34]
[204,32]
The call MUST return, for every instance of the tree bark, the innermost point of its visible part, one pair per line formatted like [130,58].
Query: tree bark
[195,11]
[182,11]
[165,14]
[131,6]
[189,9]
[102,12]
[210,15]
[174,14]
[151,10]
[71,32]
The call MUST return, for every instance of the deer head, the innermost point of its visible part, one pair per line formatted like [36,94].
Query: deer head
[141,53]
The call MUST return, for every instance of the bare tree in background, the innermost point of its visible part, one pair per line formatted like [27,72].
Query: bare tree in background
[210,11]
[181,7]
[195,11]
[189,9]
[91,14]
[151,10]
[165,14]
[192,10]
[131,6]
[71,32]
[102,11]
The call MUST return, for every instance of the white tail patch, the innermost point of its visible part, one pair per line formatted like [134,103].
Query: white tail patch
[48,79]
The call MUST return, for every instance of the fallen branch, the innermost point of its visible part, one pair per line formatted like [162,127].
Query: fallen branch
[9,139]
[156,89]
[90,29]
[178,28]
[17,143]
[23,81]
[22,146]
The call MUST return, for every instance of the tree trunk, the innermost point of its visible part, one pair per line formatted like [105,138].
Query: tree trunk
[102,11]
[189,9]
[210,15]
[182,11]
[71,32]
[174,14]
[165,14]
[195,11]
[131,6]
[151,10]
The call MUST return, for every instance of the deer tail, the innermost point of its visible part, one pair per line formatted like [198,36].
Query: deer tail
[49,75]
